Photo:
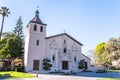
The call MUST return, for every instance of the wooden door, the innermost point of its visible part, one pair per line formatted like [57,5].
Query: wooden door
[65,65]
[36,65]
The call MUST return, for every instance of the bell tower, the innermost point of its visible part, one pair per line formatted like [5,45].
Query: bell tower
[36,26]
[35,44]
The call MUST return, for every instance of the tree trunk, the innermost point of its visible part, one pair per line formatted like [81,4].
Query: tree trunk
[12,64]
[2,27]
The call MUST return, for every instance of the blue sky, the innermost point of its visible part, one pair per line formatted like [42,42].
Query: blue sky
[88,21]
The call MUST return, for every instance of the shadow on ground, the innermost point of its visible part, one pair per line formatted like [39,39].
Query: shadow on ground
[99,75]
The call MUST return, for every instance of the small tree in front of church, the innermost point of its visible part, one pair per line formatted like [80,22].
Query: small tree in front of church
[82,64]
[46,64]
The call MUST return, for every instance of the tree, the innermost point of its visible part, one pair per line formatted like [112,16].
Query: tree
[107,51]
[99,52]
[11,45]
[10,48]
[4,11]
[112,47]
[82,64]
[18,30]
[46,64]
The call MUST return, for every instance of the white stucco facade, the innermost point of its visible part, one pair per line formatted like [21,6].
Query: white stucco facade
[65,50]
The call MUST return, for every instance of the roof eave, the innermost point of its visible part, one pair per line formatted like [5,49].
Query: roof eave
[86,56]
[38,23]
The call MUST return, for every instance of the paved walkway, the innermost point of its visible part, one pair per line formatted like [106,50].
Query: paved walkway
[99,75]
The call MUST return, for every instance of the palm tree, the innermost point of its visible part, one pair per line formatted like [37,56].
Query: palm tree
[4,11]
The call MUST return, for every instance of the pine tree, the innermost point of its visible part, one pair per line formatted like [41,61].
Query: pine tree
[18,30]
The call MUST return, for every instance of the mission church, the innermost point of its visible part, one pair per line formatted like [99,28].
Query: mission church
[63,51]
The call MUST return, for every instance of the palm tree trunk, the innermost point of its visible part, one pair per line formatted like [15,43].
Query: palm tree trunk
[2,27]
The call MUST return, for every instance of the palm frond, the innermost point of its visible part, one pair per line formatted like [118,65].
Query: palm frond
[4,11]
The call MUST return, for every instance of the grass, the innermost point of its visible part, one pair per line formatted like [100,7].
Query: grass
[114,70]
[110,79]
[16,74]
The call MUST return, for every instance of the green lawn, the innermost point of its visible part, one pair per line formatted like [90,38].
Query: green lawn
[114,70]
[110,79]
[16,74]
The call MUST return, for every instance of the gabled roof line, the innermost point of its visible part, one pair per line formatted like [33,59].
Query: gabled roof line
[66,35]
[86,56]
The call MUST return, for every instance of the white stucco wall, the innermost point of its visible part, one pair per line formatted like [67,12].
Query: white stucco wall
[87,60]
[51,44]
[32,51]
[59,40]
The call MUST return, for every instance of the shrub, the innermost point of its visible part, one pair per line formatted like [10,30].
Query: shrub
[82,64]
[46,64]
[100,71]
[85,70]
[20,69]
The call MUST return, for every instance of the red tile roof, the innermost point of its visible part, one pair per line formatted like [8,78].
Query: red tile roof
[37,19]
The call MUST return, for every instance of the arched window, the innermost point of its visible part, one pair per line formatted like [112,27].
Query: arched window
[53,58]
[64,41]
[35,27]
[75,58]
[41,29]
[37,43]
[65,50]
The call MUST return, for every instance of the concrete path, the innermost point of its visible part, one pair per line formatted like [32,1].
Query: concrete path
[99,75]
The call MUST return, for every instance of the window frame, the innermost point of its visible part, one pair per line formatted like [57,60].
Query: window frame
[37,42]
[75,59]
[64,41]
[41,28]
[53,57]
[35,27]
[65,50]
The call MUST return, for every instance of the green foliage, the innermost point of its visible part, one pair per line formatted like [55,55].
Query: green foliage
[100,48]
[107,51]
[4,11]
[18,30]
[110,79]
[82,64]
[46,64]
[113,48]
[20,69]
[99,52]
[10,47]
